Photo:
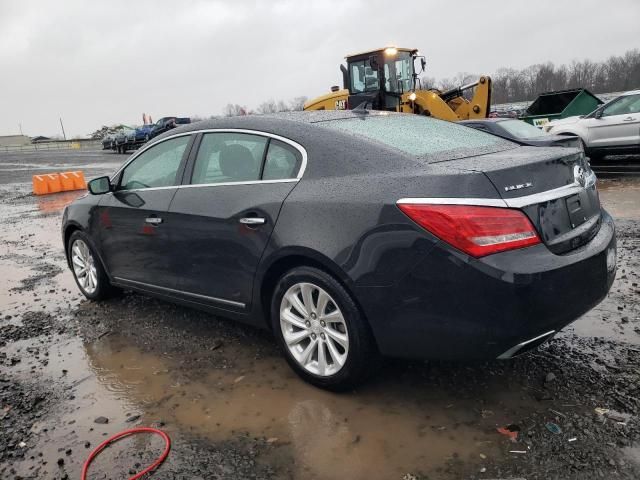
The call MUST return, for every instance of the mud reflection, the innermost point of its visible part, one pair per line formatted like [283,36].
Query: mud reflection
[57,201]
[384,431]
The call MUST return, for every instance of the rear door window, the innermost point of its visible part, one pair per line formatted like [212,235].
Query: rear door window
[282,162]
[227,157]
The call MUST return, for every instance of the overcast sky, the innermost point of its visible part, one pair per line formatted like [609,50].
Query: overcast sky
[99,63]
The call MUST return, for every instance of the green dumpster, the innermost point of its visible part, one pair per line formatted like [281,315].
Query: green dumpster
[561,104]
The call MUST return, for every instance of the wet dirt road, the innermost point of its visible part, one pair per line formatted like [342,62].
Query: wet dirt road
[234,409]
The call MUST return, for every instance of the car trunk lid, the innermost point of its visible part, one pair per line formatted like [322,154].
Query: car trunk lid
[555,187]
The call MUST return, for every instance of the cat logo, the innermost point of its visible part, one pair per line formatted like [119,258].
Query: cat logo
[341,104]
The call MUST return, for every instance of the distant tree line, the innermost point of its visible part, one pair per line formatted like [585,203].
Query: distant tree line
[616,74]
[270,106]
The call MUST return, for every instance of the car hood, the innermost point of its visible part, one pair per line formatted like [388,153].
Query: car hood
[564,121]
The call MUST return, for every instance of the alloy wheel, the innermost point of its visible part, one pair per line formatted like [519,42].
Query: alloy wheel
[84,267]
[314,329]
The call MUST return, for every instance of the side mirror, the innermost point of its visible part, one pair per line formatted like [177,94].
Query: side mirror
[599,113]
[423,63]
[99,186]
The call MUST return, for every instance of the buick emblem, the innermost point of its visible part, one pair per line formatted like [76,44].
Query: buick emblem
[579,175]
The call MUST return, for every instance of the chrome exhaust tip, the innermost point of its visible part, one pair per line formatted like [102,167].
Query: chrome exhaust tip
[531,343]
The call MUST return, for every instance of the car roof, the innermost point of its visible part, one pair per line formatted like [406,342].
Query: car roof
[267,122]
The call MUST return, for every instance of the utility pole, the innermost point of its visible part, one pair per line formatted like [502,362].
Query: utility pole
[63,134]
[20,127]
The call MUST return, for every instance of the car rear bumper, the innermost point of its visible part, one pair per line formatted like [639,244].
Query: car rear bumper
[454,307]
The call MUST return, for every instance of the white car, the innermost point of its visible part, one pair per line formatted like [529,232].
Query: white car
[611,129]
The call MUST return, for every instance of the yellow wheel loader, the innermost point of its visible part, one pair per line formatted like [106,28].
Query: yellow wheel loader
[386,79]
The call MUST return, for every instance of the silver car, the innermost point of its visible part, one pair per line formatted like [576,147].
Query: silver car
[613,128]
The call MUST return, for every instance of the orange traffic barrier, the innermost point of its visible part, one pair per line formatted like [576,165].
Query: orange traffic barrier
[58,182]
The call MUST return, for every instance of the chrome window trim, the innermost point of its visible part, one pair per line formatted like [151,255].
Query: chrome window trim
[517,202]
[221,184]
[182,292]
[297,146]
[251,182]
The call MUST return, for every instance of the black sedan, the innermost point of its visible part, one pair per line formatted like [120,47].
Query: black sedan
[522,133]
[352,235]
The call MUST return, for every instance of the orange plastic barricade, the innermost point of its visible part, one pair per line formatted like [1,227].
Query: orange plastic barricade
[58,182]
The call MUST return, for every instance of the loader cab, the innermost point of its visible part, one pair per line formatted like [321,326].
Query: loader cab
[377,79]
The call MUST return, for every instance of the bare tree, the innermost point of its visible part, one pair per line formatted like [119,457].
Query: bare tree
[234,110]
[282,106]
[270,106]
[297,103]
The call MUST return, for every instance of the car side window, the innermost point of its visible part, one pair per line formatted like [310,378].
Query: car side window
[282,162]
[228,157]
[622,106]
[156,167]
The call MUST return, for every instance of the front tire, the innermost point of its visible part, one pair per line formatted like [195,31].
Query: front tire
[319,327]
[87,269]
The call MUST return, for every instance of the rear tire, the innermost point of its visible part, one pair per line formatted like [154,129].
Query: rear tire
[87,268]
[328,342]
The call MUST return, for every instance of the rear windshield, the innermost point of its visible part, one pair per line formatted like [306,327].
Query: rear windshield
[435,140]
[520,129]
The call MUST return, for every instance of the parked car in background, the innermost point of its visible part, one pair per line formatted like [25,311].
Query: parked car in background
[522,132]
[120,139]
[352,235]
[139,136]
[613,128]
[167,123]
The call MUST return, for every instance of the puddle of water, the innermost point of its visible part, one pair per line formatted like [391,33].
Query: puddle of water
[373,434]
[71,424]
[621,196]
[384,431]
[56,202]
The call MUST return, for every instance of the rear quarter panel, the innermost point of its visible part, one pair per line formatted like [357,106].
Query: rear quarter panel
[353,221]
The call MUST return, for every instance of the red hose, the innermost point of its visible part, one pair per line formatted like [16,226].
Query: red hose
[126,433]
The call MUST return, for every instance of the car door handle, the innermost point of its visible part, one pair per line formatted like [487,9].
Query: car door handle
[628,119]
[253,221]
[153,220]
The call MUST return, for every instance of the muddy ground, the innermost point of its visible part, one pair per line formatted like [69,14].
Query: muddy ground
[233,408]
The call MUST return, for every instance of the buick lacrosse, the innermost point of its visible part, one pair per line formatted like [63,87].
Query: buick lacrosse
[352,235]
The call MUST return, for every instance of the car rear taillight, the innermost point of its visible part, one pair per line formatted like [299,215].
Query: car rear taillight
[477,231]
